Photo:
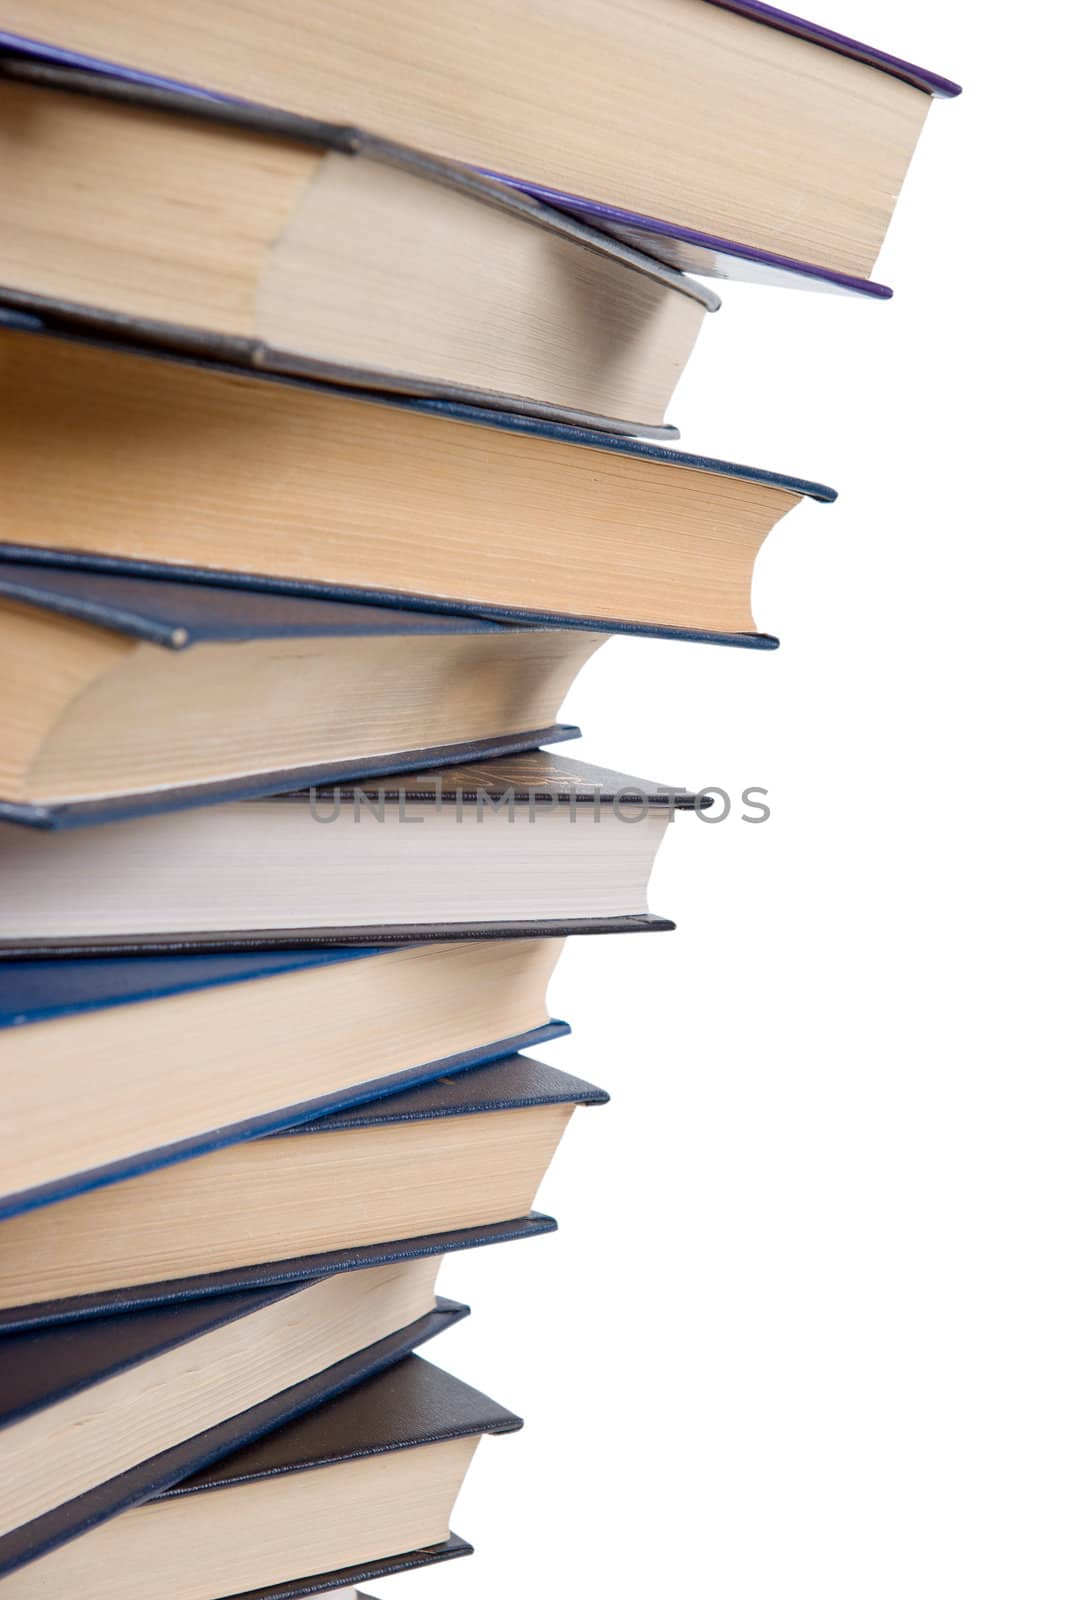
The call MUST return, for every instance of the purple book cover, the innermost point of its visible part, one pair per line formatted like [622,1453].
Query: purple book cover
[688,249]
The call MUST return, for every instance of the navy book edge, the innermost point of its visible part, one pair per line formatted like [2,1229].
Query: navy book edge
[176,614]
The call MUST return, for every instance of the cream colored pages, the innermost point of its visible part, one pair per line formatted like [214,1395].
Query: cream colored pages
[257,1534]
[159,1073]
[670,108]
[273,1199]
[174,718]
[412,276]
[346,258]
[233,472]
[95,208]
[64,1450]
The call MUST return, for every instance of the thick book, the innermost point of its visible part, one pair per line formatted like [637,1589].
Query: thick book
[369,1474]
[732,138]
[315,248]
[159,462]
[480,1142]
[268,1274]
[98,1416]
[188,1052]
[521,846]
[120,694]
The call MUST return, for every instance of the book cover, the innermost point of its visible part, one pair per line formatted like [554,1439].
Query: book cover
[179,611]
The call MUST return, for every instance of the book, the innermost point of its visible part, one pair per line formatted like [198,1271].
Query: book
[522,846]
[118,455]
[481,1143]
[73,1309]
[120,693]
[306,247]
[369,1474]
[98,1416]
[733,137]
[189,1051]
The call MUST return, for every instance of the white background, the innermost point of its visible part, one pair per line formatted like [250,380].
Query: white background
[804,1330]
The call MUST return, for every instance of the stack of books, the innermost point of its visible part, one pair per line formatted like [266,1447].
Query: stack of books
[332,347]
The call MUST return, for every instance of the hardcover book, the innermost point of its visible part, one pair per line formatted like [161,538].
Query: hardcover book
[311,248]
[481,1143]
[370,1474]
[192,1051]
[732,137]
[277,482]
[268,1274]
[120,694]
[520,846]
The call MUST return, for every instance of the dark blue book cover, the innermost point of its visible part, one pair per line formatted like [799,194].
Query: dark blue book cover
[36,992]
